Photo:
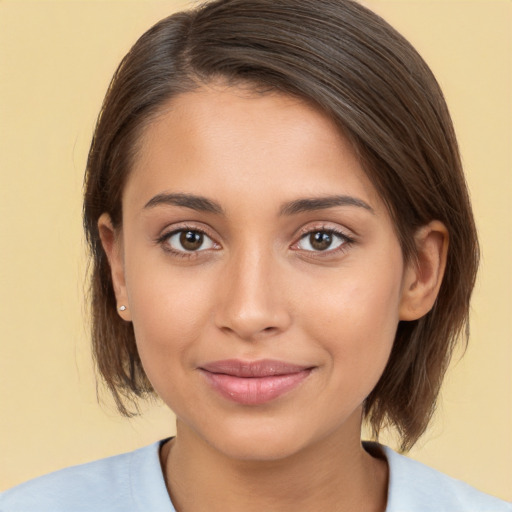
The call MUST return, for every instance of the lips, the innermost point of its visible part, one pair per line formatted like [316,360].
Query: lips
[253,382]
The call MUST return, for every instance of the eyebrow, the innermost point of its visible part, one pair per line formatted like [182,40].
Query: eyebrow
[198,203]
[322,203]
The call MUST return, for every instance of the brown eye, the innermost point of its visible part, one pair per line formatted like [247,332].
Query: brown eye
[319,241]
[191,240]
[188,240]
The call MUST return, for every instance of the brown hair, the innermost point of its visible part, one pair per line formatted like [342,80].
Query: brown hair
[357,69]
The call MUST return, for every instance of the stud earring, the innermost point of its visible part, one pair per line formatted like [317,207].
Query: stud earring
[122,308]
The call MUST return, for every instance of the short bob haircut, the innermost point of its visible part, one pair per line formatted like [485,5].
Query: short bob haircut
[350,64]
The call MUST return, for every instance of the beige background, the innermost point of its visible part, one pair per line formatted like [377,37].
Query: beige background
[56,58]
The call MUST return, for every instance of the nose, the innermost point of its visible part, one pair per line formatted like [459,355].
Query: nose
[253,302]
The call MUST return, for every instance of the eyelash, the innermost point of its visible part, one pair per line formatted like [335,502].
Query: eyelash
[347,241]
[163,241]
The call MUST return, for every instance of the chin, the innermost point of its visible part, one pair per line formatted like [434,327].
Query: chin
[262,439]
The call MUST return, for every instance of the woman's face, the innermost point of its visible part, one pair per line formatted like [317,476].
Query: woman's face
[260,270]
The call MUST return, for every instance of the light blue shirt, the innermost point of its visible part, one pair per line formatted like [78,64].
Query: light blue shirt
[133,482]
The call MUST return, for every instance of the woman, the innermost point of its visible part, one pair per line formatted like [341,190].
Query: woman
[283,245]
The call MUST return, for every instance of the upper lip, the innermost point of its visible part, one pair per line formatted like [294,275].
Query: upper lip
[260,368]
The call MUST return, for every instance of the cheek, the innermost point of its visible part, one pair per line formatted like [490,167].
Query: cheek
[355,322]
[169,311]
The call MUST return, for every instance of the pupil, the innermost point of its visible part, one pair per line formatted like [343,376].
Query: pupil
[320,240]
[191,240]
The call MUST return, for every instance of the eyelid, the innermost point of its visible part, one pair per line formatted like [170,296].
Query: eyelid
[349,239]
[175,229]
[328,227]
[205,240]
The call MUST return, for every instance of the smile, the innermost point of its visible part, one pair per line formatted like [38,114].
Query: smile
[253,383]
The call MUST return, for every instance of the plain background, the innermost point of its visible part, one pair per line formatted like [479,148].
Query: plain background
[56,59]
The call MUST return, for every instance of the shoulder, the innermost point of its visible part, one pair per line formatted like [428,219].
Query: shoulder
[416,487]
[121,483]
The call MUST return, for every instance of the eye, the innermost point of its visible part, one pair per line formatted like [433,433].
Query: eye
[188,240]
[322,240]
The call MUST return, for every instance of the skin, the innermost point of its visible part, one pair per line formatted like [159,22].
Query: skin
[258,289]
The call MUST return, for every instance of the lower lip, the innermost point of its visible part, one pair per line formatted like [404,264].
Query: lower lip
[254,390]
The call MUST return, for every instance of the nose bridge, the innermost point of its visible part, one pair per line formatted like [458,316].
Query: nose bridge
[252,303]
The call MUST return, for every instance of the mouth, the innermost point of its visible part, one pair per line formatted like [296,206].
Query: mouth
[254,382]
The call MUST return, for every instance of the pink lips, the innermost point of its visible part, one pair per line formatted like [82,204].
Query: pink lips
[254,382]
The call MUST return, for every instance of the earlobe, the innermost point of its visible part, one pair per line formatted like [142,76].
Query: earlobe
[424,275]
[112,245]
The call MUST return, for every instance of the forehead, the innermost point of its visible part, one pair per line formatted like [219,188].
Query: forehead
[221,138]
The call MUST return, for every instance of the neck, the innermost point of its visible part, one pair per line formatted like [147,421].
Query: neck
[336,474]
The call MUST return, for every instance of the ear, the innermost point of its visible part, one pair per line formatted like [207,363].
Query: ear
[113,247]
[423,276]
